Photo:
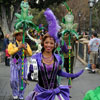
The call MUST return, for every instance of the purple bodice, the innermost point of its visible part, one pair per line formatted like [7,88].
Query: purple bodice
[47,75]
[48,69]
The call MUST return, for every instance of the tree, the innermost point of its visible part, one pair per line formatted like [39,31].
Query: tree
[76,6]
[42,4]
[9,7]
[38,16]
[96,17]
[7,11]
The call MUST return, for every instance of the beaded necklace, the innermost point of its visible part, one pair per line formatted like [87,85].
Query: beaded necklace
[48,60]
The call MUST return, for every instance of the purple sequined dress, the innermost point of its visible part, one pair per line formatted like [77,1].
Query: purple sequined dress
[47,87]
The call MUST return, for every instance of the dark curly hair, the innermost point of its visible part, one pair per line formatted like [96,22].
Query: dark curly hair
[94,34]
[43,39]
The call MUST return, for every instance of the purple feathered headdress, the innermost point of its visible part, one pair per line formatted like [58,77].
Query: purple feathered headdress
[53,26]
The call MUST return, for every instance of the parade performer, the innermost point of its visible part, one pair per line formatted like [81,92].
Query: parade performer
[23,21]
[18,50]
[70,31]
[37,41]
[15,50]
[93,94]
[49,67]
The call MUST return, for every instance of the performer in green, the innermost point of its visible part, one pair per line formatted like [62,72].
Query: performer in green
[70,31]
[93,94]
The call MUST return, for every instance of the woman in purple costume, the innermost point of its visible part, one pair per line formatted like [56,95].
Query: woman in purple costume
[49,66]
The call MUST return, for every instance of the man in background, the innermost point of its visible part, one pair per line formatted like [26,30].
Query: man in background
[93,46]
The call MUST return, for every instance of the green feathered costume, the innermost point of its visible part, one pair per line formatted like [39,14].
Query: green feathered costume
[93,94]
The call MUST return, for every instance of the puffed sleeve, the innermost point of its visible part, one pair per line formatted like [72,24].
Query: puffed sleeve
[12,49]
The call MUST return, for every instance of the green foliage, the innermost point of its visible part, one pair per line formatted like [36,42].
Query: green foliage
[42,4]
[96,17]
[1,1]
[38,15]
[10,2]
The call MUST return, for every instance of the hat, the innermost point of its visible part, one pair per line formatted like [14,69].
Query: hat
[17,32]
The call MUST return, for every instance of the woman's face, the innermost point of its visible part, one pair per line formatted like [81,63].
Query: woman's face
[49,44]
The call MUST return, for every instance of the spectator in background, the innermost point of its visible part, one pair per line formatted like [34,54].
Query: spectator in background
[88,65]
[7,57]
[6,42]
[93,46]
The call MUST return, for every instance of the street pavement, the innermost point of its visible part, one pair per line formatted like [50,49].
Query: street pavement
[80,85]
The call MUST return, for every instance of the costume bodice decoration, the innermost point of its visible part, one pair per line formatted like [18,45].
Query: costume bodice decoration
[46,80]
[47,75]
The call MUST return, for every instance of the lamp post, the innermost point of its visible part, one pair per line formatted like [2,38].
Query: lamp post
[79,28]
[91,3]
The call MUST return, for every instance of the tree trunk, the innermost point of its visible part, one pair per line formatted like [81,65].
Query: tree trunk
[4,24]
[8,13]
[15,10]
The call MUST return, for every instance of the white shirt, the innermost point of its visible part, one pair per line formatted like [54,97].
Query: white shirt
[94,44]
